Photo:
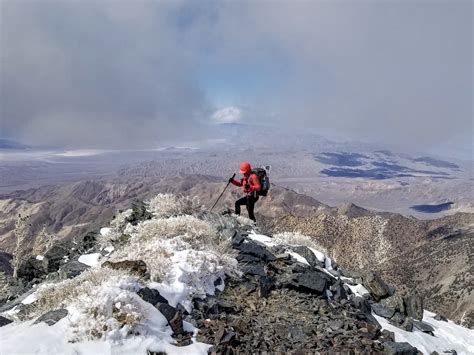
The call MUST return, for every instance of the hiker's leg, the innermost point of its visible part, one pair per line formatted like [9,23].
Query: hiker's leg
[250,207]
[238,203]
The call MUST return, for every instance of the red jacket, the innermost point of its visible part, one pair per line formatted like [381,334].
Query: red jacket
[253,181]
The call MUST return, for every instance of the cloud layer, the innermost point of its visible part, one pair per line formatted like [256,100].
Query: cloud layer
[109,73]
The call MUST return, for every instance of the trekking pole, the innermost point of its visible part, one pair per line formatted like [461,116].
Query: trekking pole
[233,176]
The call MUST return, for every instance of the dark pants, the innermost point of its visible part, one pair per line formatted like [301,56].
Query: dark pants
[248,201]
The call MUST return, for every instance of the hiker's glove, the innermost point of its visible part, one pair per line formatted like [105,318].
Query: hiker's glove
[230,180]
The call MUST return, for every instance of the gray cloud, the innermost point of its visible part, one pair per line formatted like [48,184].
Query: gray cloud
[85,73]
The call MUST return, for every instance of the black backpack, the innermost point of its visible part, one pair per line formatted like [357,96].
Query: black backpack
[264,181]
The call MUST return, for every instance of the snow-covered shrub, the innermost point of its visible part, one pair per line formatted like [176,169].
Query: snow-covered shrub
[289,238]
[103,303]
[21,233]
[168,205]
[43,242]
[59,295]
[194,230]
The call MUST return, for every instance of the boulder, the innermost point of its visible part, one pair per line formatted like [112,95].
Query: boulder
[33,268]
[382,311]
[152,296]
[375,285]
[173,316]
[254,269]
[52,317]
[309,281]
[265,285]
[361,303]
[72,269]
[137,267]
[252,248]
[4,321]
[55,256]
[338,291]
[424,327]
[413,306]
[393,348]
[440,318]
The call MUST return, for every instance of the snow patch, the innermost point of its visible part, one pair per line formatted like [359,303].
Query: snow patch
[448,336]
[298,257]
[91,260]
[40,257]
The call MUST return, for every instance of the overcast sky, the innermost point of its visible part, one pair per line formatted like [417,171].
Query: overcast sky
[130,73]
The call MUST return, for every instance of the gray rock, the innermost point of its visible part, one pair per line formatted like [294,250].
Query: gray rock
[152,296]
[382,311]
[310,281]
[375,285]
[361,303]
[440,318]
[252,248]
[388,335]
[33,268]
[4,321]
[306,253]
[413,306]
[254,269]
[72,269]
[338,291]
[173,316]
[55,256]
[424,327]
[52,317]
[137,267]
[394,348]
[397,319]
[394,303]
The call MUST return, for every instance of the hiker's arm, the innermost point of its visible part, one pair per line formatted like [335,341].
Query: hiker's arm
[255,185]
[236,183]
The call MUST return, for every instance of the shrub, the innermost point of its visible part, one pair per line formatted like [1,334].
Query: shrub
[168,205]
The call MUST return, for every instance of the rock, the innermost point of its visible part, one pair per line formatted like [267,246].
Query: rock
[265,285]
[237,239]
[72,269]
[440,318]
[375,285]
[407,324]
[137,267]
[52,317]
[4,321]
[424,327]
[55,256]
[382,311]
[394,303]
[413,306]
[252,248]
[361,303]
[152,296]
[306,253]
[397,319]
[387,335]
[254,269]
[338,291]
[33,268]
[173,316]
[310,281]
[394,348]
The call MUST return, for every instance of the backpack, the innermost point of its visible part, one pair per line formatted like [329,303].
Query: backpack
[264,181]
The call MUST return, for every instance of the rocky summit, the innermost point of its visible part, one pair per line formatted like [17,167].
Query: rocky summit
[179,278]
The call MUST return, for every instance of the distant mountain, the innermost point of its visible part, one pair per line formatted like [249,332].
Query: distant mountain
[9,144]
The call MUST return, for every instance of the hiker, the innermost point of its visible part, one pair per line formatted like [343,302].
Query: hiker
[251,185]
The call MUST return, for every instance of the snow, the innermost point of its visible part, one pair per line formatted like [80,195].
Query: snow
[448,336]
[298,257]
[320,256]
[90,259]
[46,340]
[30,299]
[105,231]
[261,238]
[358,290]
[39,257]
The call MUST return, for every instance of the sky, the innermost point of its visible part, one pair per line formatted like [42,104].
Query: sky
[126,74]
